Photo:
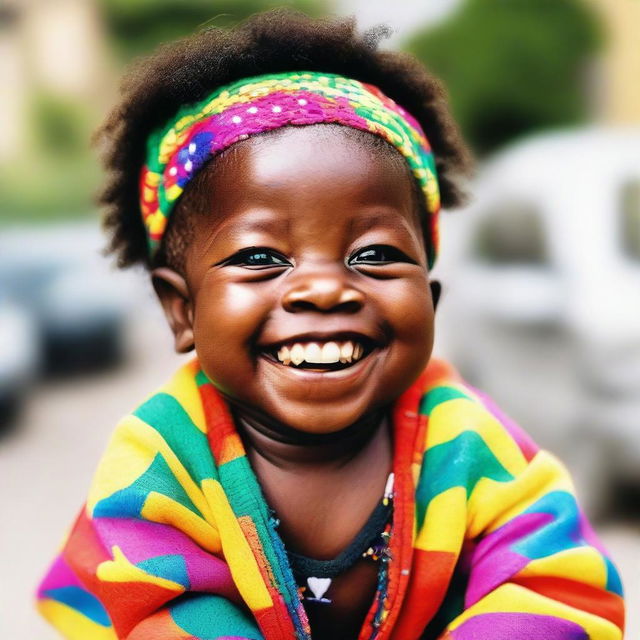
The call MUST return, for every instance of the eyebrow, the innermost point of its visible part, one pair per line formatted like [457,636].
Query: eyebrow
[264,225]
[364,223]
[250,225]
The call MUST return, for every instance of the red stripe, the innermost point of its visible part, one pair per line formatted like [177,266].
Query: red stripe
[431,574]
[582,596]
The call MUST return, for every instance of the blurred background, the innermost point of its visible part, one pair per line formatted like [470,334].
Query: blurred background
[541,271]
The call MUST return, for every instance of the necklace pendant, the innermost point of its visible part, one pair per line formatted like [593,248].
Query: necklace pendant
[319,586]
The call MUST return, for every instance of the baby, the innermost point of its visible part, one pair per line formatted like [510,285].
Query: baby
[313,472]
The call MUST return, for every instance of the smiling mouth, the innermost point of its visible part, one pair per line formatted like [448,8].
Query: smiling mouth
[321,356]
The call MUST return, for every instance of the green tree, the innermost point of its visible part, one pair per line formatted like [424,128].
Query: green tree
[138,26]
[512,66]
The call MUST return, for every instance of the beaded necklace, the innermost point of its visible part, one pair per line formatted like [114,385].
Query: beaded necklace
[314,577]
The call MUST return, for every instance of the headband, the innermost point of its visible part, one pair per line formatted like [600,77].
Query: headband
[250,106]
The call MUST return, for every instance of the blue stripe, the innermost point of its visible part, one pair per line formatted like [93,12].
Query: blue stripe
[82,601]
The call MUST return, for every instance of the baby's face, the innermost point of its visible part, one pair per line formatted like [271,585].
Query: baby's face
[308,281]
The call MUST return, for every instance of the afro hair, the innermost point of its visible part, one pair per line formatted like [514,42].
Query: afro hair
[188,70]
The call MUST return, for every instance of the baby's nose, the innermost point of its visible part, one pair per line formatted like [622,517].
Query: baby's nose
[324,294]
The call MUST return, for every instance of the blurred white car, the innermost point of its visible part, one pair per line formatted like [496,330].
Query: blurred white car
[543,310]
[58,277]
[19,358]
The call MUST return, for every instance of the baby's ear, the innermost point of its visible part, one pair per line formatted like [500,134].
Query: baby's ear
[436,290]
[173,293]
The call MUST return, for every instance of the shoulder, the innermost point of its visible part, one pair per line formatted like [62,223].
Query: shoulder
[463,418]
[162,442]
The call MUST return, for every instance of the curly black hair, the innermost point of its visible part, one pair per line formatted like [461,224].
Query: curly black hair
[279,40]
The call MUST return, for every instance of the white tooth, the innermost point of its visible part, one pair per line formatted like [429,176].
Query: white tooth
[346,351]
[297,353]
[313,353]
[330,353]
[357,352]
[284,356]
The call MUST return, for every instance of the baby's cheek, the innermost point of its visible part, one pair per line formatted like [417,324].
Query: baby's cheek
[410,316]
[237,301]
[412,311]
[226,319]
[416,330]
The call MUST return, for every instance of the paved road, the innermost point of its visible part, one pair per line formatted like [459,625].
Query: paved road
[46,466]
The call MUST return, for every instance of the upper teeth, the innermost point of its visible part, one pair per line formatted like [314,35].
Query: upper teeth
[320,353]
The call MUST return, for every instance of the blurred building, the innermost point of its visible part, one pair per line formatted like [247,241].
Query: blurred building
[618,87]
[58,48]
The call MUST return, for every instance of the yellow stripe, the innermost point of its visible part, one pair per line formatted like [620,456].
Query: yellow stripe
[132,450]
[173,192]
[160,508]
[121,570]
[184,389]
[144,440]
[158,443]
[237,552]
[156,222]
[487,505]
[72,624]
[583,564]
[449,419]
[510,598]
[127,457]
[445,522]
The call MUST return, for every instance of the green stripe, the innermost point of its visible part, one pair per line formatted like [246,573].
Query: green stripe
[461,462]
[207,617]
[437,396]
[165,414]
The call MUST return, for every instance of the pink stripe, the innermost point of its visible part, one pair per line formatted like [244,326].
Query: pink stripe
[226,132]
[518,626]
[493,561]
[59,575]
[141,540]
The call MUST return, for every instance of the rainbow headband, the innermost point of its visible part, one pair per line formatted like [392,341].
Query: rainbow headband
[250,106]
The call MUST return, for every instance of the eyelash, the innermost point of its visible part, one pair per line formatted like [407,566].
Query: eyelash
[242,257]
[389,253]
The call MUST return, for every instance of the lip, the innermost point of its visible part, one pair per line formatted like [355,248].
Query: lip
[348,374]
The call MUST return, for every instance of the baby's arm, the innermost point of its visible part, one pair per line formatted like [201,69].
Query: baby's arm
[536,567]
[144,559]
[94,594]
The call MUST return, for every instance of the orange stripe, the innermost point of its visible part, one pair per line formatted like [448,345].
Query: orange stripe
[223,439]
[431,574]
[159,626]
[583,596]
[407,431]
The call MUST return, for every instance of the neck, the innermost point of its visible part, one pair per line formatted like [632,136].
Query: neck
[287,448]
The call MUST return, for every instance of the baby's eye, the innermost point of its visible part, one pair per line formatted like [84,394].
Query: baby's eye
[257,257]
[379,254]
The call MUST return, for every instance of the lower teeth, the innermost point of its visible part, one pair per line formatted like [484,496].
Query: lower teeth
[321,366]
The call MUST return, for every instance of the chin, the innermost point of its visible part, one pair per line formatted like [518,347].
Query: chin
[320,420]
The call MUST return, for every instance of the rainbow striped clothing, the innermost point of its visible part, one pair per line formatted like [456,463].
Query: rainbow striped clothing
[176,541]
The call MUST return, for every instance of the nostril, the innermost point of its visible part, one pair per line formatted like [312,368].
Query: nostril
[323,297]
[348,306]
[301,305]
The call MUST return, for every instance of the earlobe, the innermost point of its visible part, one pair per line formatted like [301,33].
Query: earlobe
[173,293]
[436,290]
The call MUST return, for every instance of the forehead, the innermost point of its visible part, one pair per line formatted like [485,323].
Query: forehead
[295,172]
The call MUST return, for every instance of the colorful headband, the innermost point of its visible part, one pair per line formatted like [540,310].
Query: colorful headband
[250,106]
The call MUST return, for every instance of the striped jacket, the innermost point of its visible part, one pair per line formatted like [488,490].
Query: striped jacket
[176,541]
